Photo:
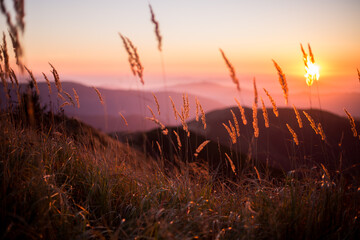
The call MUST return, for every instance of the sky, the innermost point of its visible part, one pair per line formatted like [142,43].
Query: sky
[80,38]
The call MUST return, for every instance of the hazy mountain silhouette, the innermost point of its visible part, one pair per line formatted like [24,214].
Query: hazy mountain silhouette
[275,144]
[334,102]
[132,104]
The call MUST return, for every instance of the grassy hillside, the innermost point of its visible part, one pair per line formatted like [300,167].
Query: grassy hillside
[61,179]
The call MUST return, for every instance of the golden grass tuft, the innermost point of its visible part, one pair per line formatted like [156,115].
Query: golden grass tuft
[203,117]
[296,140]
[231,70]
[352,123]
[165,131]
[176,113]
[255,121]
[257,174]
[298,118]
[231,163]
[184,124]
[200,147]
[242,112]
[99,95]
[178,140]
[265,113]
[312,122]
[358,74]
[275,111]
[157,103]
[186,106]
[76,98]
[65,104]
[230,131]
[321,131]
[56,78]
[157,29]
[197,109]
[283,83]
[236,123]
[133,57]
[255,92]
[151,111]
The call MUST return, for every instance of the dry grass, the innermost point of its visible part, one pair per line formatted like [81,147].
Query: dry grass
[76,98]
[157,103]
[133,57]
[312,122]
[298,117]
[242,112]
[99,95]
[237,127]
[275,111]
[56,78]
[157,28]
[255,92]
[47,82]
[283,83]
[178,140]
[294,135]
[231,70]
[352,123]
[265,113]
[231,163]
[201,147]
[255,121]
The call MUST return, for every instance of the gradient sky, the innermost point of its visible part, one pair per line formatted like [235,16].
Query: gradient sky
[80,38]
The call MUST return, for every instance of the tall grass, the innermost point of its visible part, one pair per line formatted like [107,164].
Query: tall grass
[62,179]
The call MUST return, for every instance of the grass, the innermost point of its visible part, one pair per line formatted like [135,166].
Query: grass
[62,179]
[65,180]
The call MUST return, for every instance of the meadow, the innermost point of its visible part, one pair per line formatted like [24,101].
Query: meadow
[63,179]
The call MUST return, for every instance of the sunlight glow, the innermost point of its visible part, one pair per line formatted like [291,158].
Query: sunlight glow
[312,71]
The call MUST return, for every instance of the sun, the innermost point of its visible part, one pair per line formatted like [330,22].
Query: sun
[312,71]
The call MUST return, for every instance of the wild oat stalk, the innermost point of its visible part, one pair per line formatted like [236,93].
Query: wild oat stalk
[200,147]
[255,92]
[184,124]
[242,112]
[275,111]
[186,106]
[265,113]
[358,74]
[178,139]
[165,131]
[352,123]
[124,119]
[255,121]
[236,123]
[76,98]
[197,109]
[33,80]
[321,131]
[157,29]
[232,134]
[231,70]
[56,78]
[231,163]
[174,108]
[203,117]
[282,80]
[61,97]
[312,122]
[157,103]
[99,95]
[293,134]
[298,118]
[70,98]
[133,58]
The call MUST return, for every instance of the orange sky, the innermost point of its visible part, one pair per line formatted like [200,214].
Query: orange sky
[80,38]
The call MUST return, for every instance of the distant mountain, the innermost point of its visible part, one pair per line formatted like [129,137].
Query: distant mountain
[334,102]
[132,104]
[275,144]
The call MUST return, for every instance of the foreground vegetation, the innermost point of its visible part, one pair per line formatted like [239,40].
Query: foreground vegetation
[61,179]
